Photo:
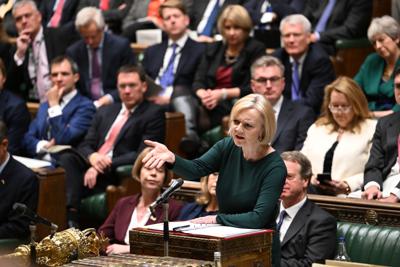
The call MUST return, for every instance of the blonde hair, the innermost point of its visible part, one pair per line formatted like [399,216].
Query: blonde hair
[264,108]
[239,17]
[138,165]
[204,196]
[354,95]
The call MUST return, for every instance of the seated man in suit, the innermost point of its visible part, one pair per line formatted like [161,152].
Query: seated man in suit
[99,55]
[65,117]
[307,232]
[308,69]
[334,19]
[143,15]
[28,73]
[17,184]
[114,11]
[381,174]
[58,13]
[172,64]
[204,16]
[14,113]
[293,119]
[266,16]
[115,137]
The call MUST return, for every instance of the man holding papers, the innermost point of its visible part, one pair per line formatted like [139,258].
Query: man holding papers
[64,118]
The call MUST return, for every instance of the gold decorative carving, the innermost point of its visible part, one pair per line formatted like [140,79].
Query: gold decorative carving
[371,217]
[61,248]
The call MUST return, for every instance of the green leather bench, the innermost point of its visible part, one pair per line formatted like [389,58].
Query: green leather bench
[364,243]
[371,244]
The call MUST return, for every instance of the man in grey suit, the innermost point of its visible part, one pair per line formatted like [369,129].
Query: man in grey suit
[307,232]
[293,119]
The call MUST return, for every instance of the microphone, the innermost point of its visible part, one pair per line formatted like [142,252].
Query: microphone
[176,184]
[22,209]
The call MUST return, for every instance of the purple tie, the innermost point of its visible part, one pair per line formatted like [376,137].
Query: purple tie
[95,83]
[321,25]
[295,82]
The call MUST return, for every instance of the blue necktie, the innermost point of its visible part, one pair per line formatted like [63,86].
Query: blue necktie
[321,25]
[295,82]
[167,78]
[211,20]
[282,216]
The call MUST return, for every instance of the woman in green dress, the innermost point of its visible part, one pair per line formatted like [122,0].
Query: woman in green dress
[375,76]
[251,172]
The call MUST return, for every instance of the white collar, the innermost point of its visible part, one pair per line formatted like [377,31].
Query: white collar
[39,36]
[67,97]
[180,42]
[292,210]
[301,59]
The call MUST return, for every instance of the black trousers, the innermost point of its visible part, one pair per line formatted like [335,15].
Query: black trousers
[75,168]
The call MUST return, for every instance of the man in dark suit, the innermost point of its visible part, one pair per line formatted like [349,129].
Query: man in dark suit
[113,13]
[293,119]
[381,174]
[334,19]
[99,55]
[266,16]
[17,184]
[28,73]
[50,12]
[308,68]
[200,16]
[172,64]
[307,232]
[14,113]
[65,117]
[115,138]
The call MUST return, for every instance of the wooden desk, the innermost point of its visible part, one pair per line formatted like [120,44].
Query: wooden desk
[359,210]
[52,199]
[253,249]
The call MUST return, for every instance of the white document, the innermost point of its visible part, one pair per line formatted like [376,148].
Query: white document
[32,163]
[215,230]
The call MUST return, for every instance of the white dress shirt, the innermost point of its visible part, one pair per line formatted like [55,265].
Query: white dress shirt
[290,214]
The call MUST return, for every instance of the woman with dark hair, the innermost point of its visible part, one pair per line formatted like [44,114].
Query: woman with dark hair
[133,211]
[206,202]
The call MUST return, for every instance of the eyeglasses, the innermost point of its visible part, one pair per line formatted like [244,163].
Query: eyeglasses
[338,108]
[397,86]
[273,80]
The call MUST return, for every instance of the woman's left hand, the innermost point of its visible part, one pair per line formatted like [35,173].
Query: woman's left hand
[206,219]
[117,249]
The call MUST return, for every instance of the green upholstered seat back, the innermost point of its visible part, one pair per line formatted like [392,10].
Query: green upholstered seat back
[94,209]
[371,244]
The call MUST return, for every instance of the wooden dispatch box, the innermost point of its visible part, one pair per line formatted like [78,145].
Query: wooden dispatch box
[252,249]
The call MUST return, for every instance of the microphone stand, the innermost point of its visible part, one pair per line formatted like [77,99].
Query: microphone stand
[32,245]
[166,227]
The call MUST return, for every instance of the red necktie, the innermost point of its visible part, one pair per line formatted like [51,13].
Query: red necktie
[55,19]
[116,128]
[104,4]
